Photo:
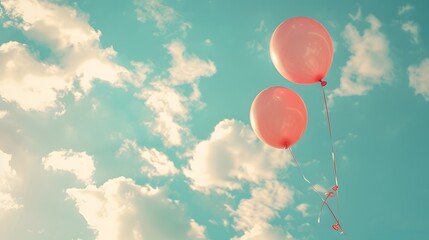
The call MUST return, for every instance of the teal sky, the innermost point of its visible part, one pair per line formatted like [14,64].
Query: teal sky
[130,120]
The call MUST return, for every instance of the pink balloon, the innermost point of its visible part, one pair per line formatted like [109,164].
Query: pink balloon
[278,117]
[301,50]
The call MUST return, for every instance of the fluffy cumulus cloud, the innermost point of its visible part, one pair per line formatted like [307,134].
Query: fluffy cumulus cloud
[155,163]
[197,231]
[171,106]
[26,81]
[413,29]
[56,25]
[7,179]
[369,63]
[252,215]
[79,164]
[76,54]
[121,209]
[232,154]
[419,78]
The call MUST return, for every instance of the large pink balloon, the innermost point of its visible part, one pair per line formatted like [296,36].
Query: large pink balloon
[278,117]
[301,50]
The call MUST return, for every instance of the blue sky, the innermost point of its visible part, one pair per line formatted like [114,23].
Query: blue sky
[130,120]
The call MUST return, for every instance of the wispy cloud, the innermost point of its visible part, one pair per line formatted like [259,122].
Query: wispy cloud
[404,9]
[208,42]
[261,40]
[252,215]
[357,16]
[121,209]
[419,78]
[169,105]
[79,164]
[255,44]
[319,188]
[303,209]
[369,63]
[412,28]
[232,154]
[261,26]
[161,14]
[185,68]
[155,163]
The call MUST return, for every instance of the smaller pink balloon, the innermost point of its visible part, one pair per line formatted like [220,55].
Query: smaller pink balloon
[278,117]
[301,50]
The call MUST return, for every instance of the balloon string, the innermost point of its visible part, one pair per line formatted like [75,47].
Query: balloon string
[325,203]
[322,84]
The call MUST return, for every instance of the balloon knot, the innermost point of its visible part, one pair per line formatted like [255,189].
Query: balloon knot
[335,188]
[329,194]
[336,226]
[323,83]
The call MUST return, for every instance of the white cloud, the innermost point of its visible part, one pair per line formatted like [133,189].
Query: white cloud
[156,11]
[412,28]
[7,202]
[318,188]
[419,78]
[369,63]
[208,42]
[253,214]
[357,16]
[155,163]
[197,231]
[3,113]
[261,26]
[233,154]
[170,111]
[26,81]
[303,209]
[162,15]
[170,106]
[158,163]
[254,44]
[75,51]
[56,25]
[266,233]
[186,69]
[7,178]
[79,164]
[141,73]
[288,217]
[405,9]
[93,63]
[261,40]
[5,168]
[121,209]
